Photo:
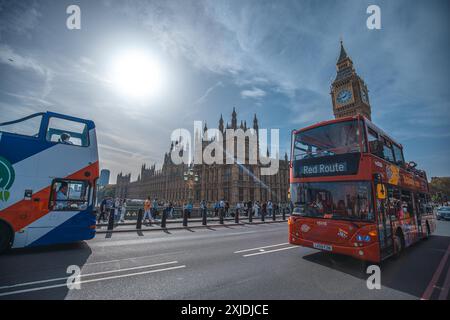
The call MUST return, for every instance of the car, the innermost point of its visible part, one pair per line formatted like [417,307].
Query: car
[443,213]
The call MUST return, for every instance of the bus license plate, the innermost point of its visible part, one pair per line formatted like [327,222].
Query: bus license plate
[322,247]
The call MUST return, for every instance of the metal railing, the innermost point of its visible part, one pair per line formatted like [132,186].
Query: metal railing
[133,218]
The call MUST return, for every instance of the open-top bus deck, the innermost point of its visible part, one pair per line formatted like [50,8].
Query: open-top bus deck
[48,170]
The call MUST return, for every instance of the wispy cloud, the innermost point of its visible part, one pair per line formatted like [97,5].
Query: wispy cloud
[10,57]
[254,93]
[13,59]
[203,98]
[19,17]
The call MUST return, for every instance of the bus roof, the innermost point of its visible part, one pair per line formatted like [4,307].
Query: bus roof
[49,114]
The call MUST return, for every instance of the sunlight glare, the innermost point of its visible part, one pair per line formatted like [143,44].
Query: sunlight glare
[137,74]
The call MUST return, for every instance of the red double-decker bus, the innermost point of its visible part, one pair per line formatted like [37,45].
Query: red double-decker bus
[353,192]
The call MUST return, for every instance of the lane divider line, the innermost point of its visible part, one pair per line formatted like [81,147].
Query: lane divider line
[444,291]
[270,251]
[430,288]
[132,258]
[86,275]
[274,245]
[91,280]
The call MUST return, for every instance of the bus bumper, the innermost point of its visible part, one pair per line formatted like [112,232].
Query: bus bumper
[368,252]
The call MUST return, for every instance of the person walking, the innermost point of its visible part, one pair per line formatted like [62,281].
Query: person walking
[103,208]
[203,208]
[264,209]
[269,208]
[227,209]
[190,206]
[147,209]
[117,207]
[154,210]
[256,208]
[171,209]
[123,210]
[216,209]
[221,208]
[186,210]
[238,208]
[250,208]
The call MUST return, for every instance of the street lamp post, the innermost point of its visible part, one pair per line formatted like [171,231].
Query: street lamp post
[191,178]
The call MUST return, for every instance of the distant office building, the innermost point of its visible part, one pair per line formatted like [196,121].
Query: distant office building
[104,178]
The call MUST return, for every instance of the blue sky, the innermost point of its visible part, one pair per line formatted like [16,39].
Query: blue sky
[273,58]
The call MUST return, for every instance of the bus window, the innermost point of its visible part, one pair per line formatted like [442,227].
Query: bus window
[69,195]
[334,200]
[388,153]
[67,132]
[398,155]
[28,126]
[407,204]
[394,204]
[422,203]
[374,143]
[327,140]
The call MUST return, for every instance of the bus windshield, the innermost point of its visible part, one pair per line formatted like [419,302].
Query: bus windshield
[333,200]
[327,140]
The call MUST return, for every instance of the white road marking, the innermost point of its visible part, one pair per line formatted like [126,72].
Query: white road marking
[270,251]
[87,275]
[88,281]
[274,245]
[132,258]
[124,242]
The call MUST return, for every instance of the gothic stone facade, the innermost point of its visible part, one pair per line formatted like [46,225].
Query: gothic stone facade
[232,182]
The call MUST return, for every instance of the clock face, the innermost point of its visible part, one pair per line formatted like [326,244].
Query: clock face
[344,96]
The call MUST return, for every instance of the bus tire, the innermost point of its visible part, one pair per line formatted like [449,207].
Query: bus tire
[6,237]
[428,231]
[399,243]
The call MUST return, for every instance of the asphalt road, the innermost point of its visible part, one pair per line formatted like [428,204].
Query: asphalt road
[235,262]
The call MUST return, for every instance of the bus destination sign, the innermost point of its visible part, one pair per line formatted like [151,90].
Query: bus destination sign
[335,165]
[320,169]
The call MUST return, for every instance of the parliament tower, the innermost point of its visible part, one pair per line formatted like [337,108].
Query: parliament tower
[348,91]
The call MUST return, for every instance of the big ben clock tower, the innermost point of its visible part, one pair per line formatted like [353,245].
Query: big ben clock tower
[348,91]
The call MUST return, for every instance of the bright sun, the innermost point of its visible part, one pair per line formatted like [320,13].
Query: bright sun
[137,74]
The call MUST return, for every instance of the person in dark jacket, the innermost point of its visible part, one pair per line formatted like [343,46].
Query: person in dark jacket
[102,215]
[250,208]
[264,209]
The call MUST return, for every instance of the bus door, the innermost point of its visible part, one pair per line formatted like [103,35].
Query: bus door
[385,236]
[418,215]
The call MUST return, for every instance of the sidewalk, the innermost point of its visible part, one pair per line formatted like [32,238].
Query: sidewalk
[177,224]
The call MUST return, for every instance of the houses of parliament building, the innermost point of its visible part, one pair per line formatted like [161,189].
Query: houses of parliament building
[211,182]
[239,182]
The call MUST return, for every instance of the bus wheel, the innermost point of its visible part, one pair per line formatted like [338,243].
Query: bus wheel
[428,231]
[5,238]
[399,243]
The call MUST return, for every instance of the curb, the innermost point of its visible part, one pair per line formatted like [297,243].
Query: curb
[189,227]
[190,220]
